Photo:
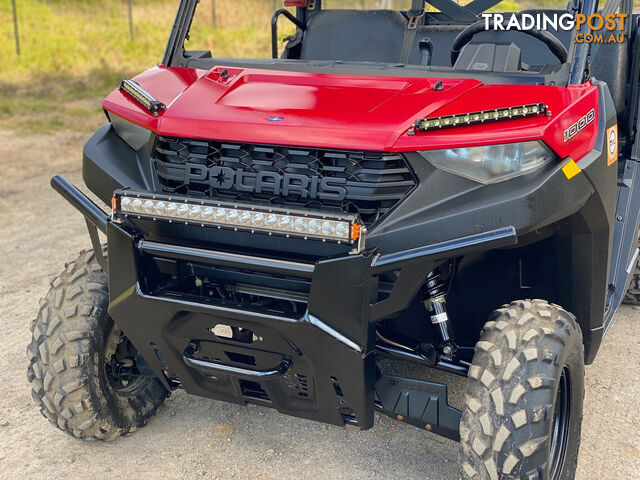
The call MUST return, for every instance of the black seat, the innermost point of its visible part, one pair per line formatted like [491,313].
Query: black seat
[354,36]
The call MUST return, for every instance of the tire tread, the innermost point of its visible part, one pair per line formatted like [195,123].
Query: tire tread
[67,331]
[507,405]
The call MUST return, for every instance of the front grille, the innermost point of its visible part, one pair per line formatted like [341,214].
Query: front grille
[342,181]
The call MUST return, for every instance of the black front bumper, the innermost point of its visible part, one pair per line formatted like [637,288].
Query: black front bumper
[318,365]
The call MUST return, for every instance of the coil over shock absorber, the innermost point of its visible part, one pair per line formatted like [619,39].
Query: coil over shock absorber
[434,294]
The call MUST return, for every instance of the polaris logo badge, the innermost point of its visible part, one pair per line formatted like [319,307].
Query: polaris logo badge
[577,127]
[287,184]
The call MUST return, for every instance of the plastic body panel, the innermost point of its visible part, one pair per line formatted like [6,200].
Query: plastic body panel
[380,109]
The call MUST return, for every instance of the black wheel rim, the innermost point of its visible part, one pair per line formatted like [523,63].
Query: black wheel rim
[560,426]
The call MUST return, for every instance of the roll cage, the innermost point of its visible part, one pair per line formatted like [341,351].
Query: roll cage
[574,71]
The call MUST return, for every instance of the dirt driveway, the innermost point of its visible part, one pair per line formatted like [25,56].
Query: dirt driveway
[194,437]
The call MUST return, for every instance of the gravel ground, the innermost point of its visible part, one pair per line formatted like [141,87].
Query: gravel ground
[194,437]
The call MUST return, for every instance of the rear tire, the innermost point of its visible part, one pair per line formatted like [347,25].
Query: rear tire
[71,357]
[525,392]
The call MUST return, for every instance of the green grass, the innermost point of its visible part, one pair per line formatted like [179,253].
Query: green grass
[61,102]
[75,51]
[74,38]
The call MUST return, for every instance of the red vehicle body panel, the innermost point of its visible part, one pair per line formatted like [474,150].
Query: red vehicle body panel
[350,112]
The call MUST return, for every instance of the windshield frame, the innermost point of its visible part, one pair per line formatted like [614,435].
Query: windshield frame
[574,71]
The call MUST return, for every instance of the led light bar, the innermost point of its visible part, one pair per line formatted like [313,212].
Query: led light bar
[427,124]
[143,97]
[325,227]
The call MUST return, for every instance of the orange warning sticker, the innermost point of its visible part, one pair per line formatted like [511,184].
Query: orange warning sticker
[612,145]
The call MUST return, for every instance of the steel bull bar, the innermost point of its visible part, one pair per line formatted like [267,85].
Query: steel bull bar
[94,216]
[319,365]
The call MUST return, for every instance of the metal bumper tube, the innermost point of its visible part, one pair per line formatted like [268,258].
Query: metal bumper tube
[81,202]
[259,264]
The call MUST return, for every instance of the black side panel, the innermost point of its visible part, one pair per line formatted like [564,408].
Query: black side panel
[419,403]
[586,239]
[110,164]
[625,238]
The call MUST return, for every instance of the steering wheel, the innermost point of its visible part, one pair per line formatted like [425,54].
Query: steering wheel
[553,44]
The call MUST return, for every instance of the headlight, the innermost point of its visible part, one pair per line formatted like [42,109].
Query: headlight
[493,163]
[133,135]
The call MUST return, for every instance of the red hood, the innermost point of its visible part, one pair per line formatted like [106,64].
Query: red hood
[342,111]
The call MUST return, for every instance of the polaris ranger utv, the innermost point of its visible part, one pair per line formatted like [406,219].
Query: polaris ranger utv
[394,188]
